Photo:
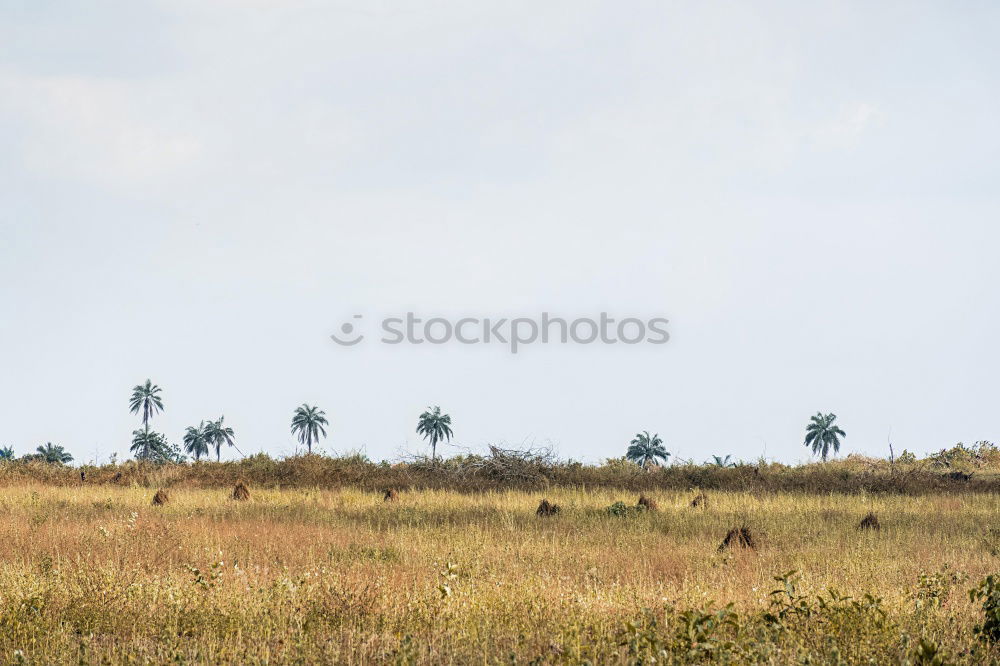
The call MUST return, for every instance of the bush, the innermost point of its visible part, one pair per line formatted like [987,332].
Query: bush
[988,592]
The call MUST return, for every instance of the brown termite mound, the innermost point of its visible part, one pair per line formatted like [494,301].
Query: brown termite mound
[647,503]
[161,497]
[870,522]
[240,492]
[740,537]
[390,495]
[700,500]
[547,508]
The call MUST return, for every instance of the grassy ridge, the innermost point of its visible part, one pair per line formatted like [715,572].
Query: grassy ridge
[95,573]
[854,474]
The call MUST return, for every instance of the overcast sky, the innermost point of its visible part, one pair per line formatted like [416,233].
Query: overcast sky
[200,192]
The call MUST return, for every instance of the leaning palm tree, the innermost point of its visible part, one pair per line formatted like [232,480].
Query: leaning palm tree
[216,433]
[822,435]
[195,442]
[53,453]
[146,398]
[644,450]
[308,423]
[434,426]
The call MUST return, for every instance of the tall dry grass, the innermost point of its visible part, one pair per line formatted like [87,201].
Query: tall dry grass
[95,574]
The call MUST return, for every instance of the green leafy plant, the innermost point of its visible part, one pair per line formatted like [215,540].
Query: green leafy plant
[789,606]
[618,509]
[927,653]
[643,639]
[206,579]
[988,594]
[786,601]
[622,510]
[933,588]
[702,631]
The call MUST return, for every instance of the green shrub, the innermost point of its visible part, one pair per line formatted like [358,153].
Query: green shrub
[622,510]
[988,592]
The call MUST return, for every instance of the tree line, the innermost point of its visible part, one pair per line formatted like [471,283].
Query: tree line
[309,424]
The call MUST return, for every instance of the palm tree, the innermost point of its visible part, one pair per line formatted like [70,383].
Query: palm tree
[434,426]
[195,442]
[216,433]
[150,446]
[146,397]
[51,453]
[645,450]
[719,461]
[822,435]
[307,423]
[6,453]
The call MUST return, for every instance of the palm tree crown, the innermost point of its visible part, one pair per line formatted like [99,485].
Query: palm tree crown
[6,453]
[645,449]
[822,435]
[53,453]
[216,433]
[149,446]
[719,461]
[195,442]
[307,423]
[145,397]
[434,426]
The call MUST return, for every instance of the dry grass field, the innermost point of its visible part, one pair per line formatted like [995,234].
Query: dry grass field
[98,574]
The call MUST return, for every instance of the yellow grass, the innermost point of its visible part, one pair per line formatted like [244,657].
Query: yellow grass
[94,574]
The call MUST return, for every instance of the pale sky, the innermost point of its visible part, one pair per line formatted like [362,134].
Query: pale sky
[200,192]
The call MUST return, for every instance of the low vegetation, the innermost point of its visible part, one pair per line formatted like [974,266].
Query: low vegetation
[961,469]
